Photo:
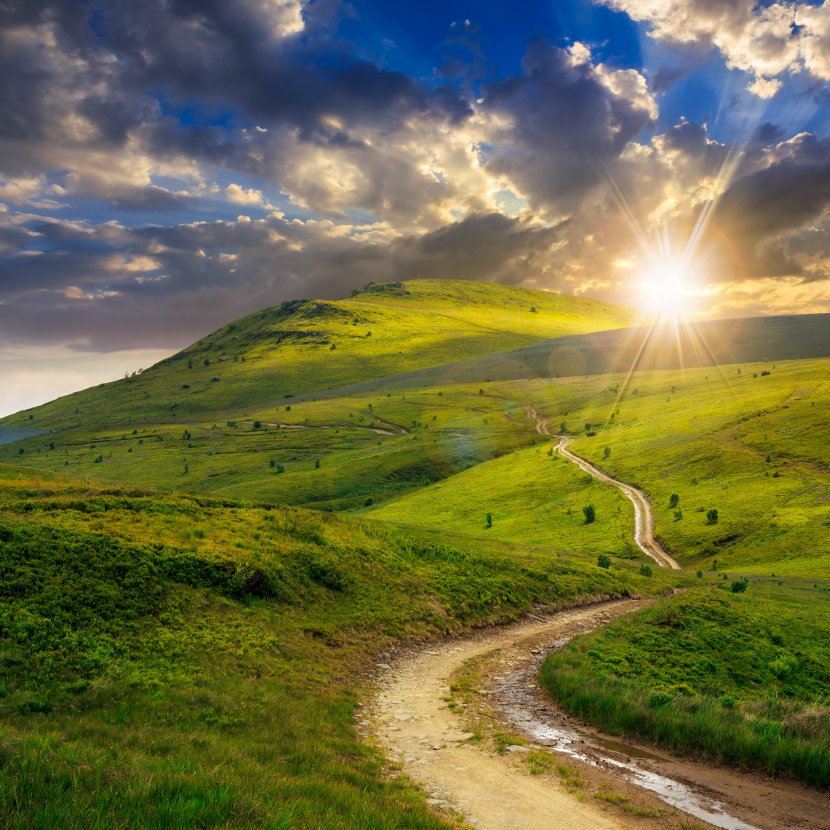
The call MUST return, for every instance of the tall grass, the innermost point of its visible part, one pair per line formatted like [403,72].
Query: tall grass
[780,738]
[739,680]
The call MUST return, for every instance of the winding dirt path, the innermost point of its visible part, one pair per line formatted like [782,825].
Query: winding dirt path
[643,513]
[648,790]
[410,718]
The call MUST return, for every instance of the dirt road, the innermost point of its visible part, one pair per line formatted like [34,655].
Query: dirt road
[624,785]
[417,730]
[643,514]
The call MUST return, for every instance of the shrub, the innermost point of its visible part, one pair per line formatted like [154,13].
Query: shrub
[674,500]
[606,453]
[590,513]
[369,502]
[257,424]
[280,468]
[712,516]
[489,520]
[645,569]
[603,561]
[700,574]
[739,585]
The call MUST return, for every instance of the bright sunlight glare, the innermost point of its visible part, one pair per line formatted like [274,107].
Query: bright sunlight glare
[668,290]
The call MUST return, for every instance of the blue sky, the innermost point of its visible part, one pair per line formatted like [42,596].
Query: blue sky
[170,165]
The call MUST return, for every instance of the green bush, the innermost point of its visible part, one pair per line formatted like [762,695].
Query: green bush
[603,561]
[590,513]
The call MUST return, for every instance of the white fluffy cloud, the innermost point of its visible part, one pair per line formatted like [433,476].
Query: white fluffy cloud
[765,40]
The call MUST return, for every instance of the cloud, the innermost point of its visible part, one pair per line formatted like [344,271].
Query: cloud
[766,40]
[558,123]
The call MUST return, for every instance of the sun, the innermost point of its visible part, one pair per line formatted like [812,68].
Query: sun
[668,290]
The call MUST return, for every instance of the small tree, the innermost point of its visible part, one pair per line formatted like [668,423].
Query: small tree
[272,463]
[739,585]
[369,502]
[712,516]
[606,453]
[590,513]
[257,424]
[674,500]
[700,574]
[563,427]
[489,520]
[603,561]
[317,464]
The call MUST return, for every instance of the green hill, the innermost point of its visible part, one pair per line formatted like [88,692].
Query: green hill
[307,346]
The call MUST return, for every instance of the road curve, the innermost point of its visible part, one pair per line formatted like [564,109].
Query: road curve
[643,514]
[410,718]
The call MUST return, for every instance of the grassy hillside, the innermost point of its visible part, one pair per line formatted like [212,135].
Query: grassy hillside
[753,446]
[330,454]
[738,677]
[172,661]
[532,495]
[307,346]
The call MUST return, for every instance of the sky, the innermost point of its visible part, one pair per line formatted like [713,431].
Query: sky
[170,165]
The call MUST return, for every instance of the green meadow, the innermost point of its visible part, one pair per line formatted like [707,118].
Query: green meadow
[749,441]
[185,643]
[180,661]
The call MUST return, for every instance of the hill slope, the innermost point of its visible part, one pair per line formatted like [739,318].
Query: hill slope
[307,346]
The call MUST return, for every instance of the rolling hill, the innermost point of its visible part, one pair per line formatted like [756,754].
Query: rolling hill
[311,346]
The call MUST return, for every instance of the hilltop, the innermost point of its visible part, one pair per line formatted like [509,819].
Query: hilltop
[304,346]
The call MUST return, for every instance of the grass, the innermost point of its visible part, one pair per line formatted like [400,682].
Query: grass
[741,679]
[754,447]
[189,661]
[372,446]
[307,346]
[533,495]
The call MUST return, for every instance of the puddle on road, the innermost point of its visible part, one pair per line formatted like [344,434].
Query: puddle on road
[516,700]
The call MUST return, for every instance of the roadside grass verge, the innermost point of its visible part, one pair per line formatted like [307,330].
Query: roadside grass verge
[741,679]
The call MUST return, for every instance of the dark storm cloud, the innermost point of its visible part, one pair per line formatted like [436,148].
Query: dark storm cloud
[251,60]
[761,210]
[566,123]
[165,286]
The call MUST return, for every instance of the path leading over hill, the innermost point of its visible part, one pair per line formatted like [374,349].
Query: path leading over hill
[643,514]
